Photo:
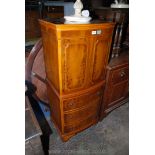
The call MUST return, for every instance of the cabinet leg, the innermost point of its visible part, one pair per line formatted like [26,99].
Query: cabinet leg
[65,138]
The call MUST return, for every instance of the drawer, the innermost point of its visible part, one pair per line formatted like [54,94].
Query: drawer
[81,125]
[120,75]
[83,114]
[92,98]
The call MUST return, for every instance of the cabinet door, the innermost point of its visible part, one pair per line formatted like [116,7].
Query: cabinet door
[117,93]
[74,64]
[100,56]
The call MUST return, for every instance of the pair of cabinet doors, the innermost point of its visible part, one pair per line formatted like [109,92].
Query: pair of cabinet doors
[84,60]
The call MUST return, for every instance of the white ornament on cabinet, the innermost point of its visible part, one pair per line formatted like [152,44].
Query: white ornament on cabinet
[79,15]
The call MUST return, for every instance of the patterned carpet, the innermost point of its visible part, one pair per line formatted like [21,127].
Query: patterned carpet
[109,137]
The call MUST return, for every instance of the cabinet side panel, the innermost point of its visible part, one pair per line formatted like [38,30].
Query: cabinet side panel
[55,108]
[50,45]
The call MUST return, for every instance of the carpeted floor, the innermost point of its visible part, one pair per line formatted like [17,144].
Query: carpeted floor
[109,137]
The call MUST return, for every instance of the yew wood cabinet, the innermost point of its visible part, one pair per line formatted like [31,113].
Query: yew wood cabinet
[76,56]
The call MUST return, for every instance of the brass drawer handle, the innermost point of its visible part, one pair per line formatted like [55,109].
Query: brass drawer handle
[122,74]
[71,103]
[98,93]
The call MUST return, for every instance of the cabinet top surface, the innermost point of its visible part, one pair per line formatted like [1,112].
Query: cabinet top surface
[61,23]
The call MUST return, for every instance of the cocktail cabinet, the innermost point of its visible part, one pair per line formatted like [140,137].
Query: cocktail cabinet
[76,57]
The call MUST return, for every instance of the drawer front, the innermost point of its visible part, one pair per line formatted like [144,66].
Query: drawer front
[92,98]
[81,125]
[83,114]
[119,92]
[120,75]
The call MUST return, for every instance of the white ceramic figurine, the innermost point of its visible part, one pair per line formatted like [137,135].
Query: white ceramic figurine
[116,1]
[78,6]
[79,16]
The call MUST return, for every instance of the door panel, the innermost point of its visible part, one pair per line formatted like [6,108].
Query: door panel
[74,64]
[100,58]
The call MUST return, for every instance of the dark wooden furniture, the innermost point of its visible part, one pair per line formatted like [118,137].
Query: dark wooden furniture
[37,92]
[53,12]
[121,17]
[35,72]
[37,129]
[32,14]
[117,81]
[33,132]
[76,56]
